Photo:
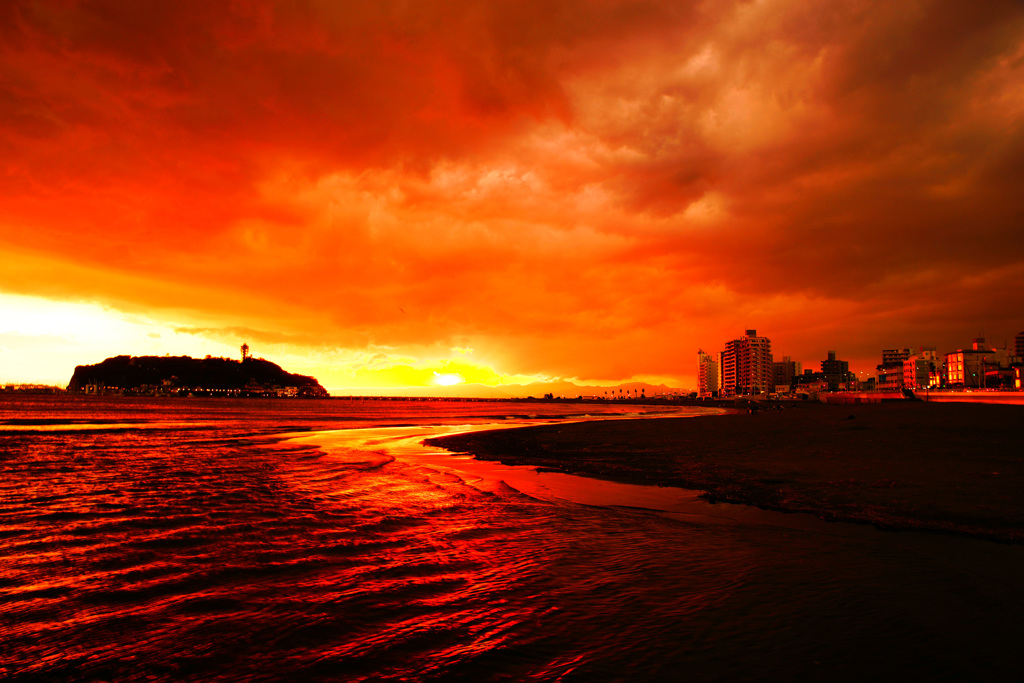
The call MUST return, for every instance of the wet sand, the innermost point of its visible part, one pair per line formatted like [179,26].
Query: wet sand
[956,468]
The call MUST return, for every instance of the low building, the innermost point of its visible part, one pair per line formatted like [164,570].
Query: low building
[837,373]
[890,372]
[809,388]
[890,378]
[923,370]
[786,372]
[969,368]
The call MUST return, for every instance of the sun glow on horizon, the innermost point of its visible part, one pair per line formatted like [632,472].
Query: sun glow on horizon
[447,379]
[42,340]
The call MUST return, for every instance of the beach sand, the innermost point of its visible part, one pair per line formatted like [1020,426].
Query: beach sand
[950,467]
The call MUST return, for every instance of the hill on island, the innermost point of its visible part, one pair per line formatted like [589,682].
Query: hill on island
[183,375]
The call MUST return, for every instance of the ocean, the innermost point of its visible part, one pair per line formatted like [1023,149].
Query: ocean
[266,540]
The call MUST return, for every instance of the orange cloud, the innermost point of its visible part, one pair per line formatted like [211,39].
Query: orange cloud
[587,190]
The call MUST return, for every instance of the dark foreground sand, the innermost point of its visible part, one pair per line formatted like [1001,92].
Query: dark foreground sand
[953,467]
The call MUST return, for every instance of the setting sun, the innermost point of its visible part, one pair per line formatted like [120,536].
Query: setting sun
[447,379]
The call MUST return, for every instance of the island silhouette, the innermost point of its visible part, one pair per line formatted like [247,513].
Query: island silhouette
[185,376]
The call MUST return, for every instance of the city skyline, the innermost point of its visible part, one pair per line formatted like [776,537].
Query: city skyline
[389,195]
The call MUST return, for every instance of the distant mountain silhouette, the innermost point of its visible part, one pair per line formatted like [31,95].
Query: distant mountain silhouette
[183,375]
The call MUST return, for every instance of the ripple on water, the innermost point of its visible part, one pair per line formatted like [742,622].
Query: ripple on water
[206,554]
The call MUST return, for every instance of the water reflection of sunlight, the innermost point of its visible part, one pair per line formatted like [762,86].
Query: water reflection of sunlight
[111,426]
[405,445]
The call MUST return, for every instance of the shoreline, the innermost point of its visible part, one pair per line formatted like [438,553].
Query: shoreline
[941,467]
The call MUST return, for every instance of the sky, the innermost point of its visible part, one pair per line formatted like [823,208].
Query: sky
[395,194]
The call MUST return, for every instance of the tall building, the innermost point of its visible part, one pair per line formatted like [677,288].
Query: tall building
[728,372]
[747,366]
[786,372]
[721,371]
[837,372]
[707,374]
[1018,349]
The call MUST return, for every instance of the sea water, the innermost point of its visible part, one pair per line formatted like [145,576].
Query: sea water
[217,539]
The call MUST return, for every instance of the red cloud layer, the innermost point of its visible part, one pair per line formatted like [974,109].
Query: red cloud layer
[592,190]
